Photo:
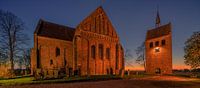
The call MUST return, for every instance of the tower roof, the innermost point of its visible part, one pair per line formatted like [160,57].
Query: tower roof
[159,31]
[157,19]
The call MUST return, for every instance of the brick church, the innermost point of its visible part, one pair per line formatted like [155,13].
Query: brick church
[92,48]
[158,49]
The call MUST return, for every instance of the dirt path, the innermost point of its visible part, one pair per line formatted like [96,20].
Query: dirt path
[147,82]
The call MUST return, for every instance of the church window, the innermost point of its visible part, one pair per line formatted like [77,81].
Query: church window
[51,62]
[108,53]
[117,59]
[100,51]
[103,26]
[107,28]
[163,42]
[151,44]
[95,24]
[65,61]
[99,22]
[93,52]
[38,57]
[57,51]
[157,43]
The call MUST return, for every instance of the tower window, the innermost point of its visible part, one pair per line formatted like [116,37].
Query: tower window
[157,43]
[93,52]
[57,51]
[163,42]
[151,44]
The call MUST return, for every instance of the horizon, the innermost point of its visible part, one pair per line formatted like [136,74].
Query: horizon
[131,19]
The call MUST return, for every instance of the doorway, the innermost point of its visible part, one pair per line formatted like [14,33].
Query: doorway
[158,71]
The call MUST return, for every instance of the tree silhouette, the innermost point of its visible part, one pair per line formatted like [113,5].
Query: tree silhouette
[140,52]
[192,50]
[12,36]
[128,57]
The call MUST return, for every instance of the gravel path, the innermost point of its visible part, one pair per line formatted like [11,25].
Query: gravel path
[148,82]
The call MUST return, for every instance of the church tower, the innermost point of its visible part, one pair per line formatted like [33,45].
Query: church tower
[158,48]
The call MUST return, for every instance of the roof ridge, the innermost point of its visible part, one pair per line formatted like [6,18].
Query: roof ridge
[56,24]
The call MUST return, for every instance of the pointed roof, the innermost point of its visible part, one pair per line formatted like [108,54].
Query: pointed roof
[97,16]
[157,19]
[159,31]
[52,30]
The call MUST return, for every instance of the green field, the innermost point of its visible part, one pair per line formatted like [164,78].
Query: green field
[30,80]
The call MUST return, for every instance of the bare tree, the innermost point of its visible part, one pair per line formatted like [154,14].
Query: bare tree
[128,57]
[26,59]
[140,52]
[12,36]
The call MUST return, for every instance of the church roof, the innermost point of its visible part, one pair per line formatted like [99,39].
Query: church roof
[159,31]
[52,30]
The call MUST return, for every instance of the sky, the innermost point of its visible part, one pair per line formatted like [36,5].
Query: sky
[130,18]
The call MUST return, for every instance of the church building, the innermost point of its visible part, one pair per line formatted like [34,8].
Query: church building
[92,48]
[158,49]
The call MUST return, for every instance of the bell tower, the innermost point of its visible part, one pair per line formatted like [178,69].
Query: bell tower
[158,49]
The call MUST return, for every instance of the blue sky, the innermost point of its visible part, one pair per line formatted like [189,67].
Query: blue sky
[131,18]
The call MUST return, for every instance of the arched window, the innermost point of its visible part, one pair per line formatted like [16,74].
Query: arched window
[100,51]
[108,53]
[93,51]
[57,51]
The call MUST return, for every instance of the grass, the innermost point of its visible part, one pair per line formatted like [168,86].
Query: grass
[16,81]
[30,80]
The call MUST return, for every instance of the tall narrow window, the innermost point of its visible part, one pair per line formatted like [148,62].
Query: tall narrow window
[94,24]
[99,24]
[157,43]
[65,60]
[163,42]
[117,59]
[38,58]
[108,53]
[51,62]
[57,51]
[151,44]
[93,51]
[107,28]
[100,51]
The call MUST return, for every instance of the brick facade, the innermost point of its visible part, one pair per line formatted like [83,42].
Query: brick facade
[158,50]
[92,48]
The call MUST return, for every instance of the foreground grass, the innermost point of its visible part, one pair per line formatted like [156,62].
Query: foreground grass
[30,80]
[16,81]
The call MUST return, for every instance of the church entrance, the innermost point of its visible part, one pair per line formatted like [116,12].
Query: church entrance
[158,71]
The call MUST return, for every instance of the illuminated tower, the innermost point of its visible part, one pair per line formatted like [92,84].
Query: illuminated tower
[158,49]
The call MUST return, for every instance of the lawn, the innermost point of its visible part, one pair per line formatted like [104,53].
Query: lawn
[30,80]
[16,81]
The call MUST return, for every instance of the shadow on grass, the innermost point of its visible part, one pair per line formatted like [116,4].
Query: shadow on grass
[30,80]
